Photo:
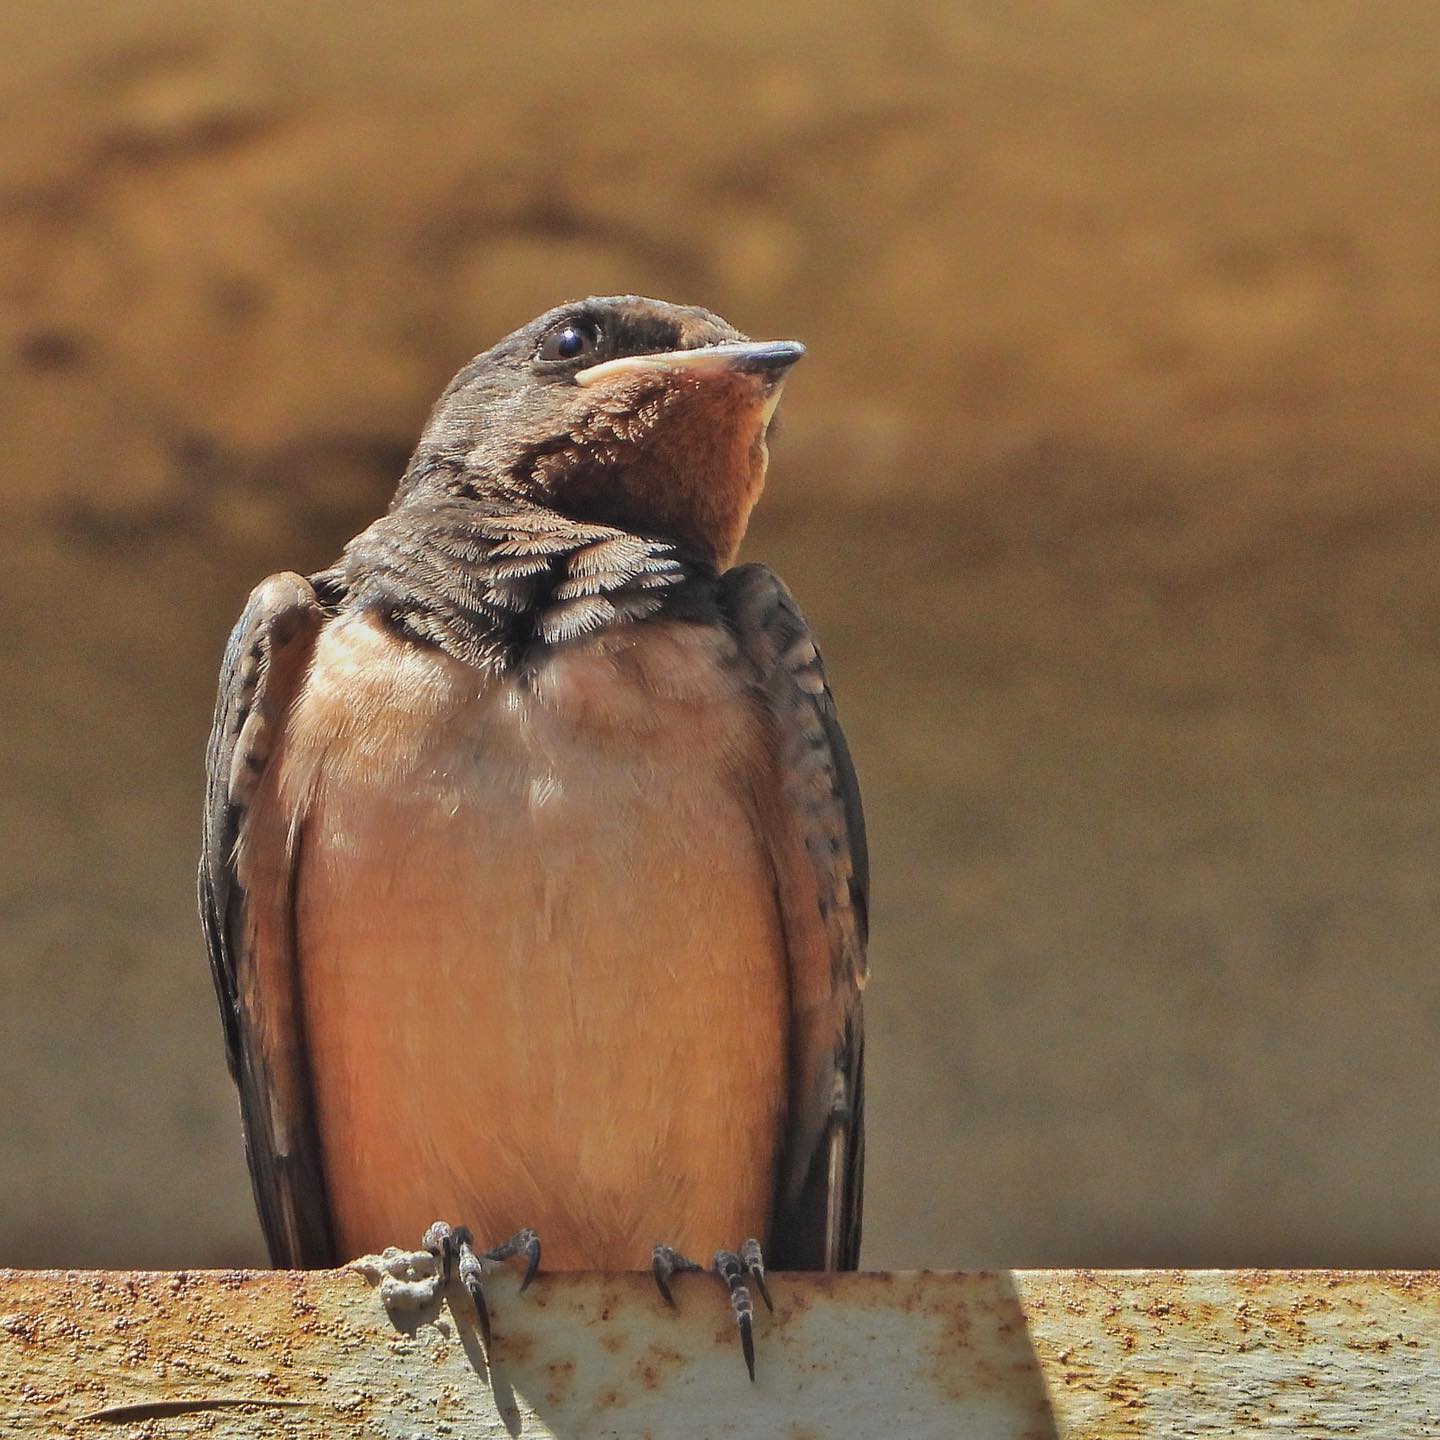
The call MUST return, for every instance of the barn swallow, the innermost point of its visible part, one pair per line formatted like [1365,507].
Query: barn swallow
[534,876]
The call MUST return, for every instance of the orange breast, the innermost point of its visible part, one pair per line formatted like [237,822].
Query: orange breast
[540,962]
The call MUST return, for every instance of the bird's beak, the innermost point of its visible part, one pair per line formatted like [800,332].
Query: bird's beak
[768,359]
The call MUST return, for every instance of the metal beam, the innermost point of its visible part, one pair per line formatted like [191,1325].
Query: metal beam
[1010,1354]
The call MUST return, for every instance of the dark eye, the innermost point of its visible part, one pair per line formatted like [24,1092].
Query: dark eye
[569,342]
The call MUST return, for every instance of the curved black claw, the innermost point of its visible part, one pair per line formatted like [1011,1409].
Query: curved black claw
[731,1269]
[734,1268]
[440,1241]
[754,1262]
[523,1242]
[472,1277]
[665,1262]
[448,1252]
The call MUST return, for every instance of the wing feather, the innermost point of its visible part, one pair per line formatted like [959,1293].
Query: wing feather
[815,832]
[251,945]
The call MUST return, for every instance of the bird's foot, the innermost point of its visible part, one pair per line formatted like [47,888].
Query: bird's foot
[734,1268]
[411,1280]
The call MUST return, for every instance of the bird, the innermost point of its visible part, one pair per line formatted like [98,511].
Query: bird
[534,877]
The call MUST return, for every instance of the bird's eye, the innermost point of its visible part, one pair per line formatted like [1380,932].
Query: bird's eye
[569,342]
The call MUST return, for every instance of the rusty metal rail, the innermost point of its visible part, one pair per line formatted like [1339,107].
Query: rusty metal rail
[1015,1354]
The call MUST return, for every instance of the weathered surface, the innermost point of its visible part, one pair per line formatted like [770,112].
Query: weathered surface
[1018,1355]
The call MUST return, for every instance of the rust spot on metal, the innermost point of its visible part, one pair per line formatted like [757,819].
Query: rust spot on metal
[561,1377]
[658,1361]
[1126,1391]
[514,1347]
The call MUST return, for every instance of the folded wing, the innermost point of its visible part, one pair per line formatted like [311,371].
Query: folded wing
[247,869]
[815,833]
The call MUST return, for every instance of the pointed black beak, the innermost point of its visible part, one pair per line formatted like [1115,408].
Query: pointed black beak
[768,358]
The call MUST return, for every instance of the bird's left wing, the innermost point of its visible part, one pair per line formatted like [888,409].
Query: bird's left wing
[814,831]
[247,867]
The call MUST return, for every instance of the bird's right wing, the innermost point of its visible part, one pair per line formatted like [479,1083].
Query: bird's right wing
[247,868]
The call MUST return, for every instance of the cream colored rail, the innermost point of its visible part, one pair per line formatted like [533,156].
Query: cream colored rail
[1011,1354]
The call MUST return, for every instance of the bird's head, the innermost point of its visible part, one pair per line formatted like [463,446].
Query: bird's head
[619,410]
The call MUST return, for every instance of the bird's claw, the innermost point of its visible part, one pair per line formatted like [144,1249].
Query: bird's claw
[664,1263]
[471,1272]
[753,1260]
[523,1242]
[734,1268]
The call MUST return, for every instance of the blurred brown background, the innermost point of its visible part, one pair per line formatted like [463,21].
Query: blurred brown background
[1109,485]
